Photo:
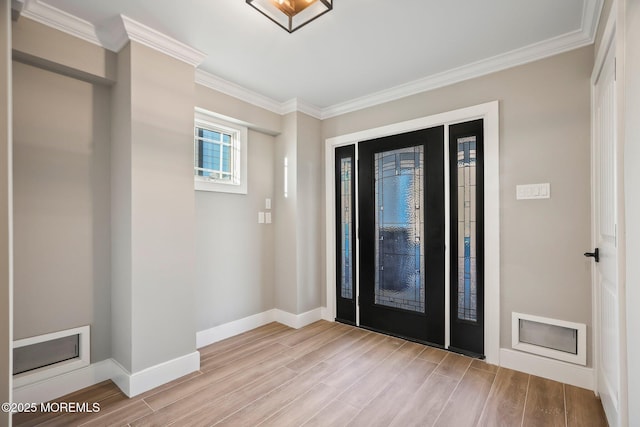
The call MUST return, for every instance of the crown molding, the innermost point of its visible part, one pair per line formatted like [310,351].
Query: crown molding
[480,68]
[232,89]
[16,8]
[154,39]
[61,20]
[564,43]
[219,84]
[591,14]
[114,36]
[301,106]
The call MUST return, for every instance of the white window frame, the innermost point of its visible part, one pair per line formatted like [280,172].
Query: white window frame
[239,138]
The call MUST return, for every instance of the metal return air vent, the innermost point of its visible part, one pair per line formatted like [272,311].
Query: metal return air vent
[45,356]
[556,339]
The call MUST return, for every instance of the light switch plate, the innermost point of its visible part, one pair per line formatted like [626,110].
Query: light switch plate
[267,217]
[267,203]
[533,191]
[260,217]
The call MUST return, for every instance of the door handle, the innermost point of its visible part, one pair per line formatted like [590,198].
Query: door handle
[595,254]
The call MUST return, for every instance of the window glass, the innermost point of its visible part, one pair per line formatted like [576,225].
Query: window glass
[220,155]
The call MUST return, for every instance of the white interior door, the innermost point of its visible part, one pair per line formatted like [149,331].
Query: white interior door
[607,292]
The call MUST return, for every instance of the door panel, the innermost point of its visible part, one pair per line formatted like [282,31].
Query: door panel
[401,208]
[607,284]
[466,156]
[345,234]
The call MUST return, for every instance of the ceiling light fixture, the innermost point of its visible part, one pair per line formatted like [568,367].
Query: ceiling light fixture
[292,14]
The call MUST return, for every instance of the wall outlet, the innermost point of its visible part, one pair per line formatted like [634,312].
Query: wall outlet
[260,217]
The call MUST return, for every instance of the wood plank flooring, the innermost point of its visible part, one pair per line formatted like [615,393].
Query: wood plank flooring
[329,374]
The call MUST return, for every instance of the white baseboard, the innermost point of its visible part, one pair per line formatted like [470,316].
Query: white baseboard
[298,321]
[109,369]
[230,329]
[556,370]
[54,387]
[162,373]
[139,382]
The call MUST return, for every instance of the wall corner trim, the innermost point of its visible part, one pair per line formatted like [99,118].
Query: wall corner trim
[236,327]
[544,367]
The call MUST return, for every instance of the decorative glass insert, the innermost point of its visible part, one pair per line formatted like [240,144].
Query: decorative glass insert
[346,285]
[399,228]
[467,266]
[214,154]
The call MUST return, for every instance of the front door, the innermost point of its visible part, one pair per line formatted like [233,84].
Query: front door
[402,235]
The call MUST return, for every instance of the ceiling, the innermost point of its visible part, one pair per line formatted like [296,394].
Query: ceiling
[362,48]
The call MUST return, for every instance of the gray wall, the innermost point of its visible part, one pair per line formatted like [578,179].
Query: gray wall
[632,199]
[235,256]
[309,216]
[285,220]
[544,127]
[54,50]
[5,208]
[121,199]
[235,260]
[298,248]
[61,206]
[158,155]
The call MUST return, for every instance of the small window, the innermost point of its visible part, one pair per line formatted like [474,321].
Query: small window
[220,155]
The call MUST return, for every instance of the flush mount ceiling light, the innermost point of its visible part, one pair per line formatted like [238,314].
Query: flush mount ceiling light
[292,14]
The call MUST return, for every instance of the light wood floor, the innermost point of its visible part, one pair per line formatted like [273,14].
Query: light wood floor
[329,374]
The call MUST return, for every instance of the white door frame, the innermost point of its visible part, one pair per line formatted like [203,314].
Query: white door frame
[489,112]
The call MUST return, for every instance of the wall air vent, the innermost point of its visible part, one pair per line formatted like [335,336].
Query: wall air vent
[45,356]
[556,339]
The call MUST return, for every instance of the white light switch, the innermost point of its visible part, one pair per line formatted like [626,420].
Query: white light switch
[267,217]
[260,217]
[267,203]
[533,191]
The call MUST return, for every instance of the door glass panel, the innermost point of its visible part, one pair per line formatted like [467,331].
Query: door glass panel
[346,283]
[399,226]
[467,272]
